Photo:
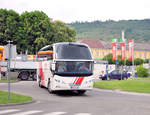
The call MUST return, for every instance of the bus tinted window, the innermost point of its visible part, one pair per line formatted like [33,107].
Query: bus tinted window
[72,51]
[71,68]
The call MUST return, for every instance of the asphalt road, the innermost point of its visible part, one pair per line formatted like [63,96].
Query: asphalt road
[94,102]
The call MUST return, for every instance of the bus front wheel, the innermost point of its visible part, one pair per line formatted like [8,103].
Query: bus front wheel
[49,87]
[81,92]
[39,81]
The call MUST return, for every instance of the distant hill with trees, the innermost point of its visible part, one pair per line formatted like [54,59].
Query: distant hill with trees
[99,30]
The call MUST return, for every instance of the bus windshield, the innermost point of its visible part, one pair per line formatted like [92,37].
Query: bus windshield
[74,68]
[72,51]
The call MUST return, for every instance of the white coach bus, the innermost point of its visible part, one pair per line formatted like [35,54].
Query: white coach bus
[65,66]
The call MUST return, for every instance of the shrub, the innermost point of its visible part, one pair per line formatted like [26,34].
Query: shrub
[146,61]
[138,61]
[141,71]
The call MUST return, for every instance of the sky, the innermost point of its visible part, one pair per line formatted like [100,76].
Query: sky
[83,10]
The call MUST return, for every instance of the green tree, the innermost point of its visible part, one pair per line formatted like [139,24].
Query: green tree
[40,42]
[9,23]
[141,71]
[128,63]
[33,25]
[62,33]
[146,61]
[121,62]
[109,59]
[138,61]
[31,28]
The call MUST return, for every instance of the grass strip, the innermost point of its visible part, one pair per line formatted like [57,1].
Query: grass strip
[14,98]
[125,85]
[12,79]
[6,81]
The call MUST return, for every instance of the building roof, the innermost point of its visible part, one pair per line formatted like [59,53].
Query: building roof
[142,46]
[93,43]
[107,45]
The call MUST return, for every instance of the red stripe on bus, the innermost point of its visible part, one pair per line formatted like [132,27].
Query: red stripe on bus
[80,81]
[75,81]
[41,74]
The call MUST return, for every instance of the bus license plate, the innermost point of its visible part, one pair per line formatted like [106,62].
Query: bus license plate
[74,86]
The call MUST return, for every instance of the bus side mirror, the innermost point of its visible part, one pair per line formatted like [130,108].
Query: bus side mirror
[53,66]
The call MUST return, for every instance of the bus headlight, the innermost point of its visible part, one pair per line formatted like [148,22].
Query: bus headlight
[57,80]
[88,81]
[63,82]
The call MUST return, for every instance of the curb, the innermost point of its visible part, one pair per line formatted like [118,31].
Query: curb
[14,104]
[123,92]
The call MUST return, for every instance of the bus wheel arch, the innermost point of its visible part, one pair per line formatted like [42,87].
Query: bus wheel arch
[81,92]
[49,86]
[39,82]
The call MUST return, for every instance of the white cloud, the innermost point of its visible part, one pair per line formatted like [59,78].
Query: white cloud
[83,10]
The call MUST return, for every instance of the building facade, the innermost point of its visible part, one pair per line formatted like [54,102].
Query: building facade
[102,48]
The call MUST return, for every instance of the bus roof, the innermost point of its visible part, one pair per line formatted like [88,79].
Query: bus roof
[67,50]
[63,43]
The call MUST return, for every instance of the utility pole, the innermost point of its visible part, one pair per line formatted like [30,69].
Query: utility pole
[123,51]
[116,54]
[8,67]
[133,58]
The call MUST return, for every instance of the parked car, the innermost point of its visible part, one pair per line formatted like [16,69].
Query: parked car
[115,74]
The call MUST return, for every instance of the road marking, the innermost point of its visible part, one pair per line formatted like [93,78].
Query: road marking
[27,113]
[55,113]
[9,111]
[83,114]
[34,112]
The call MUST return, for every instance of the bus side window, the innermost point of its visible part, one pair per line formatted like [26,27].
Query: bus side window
[50,57]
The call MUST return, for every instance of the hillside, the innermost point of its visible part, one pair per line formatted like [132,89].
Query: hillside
[98,30]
